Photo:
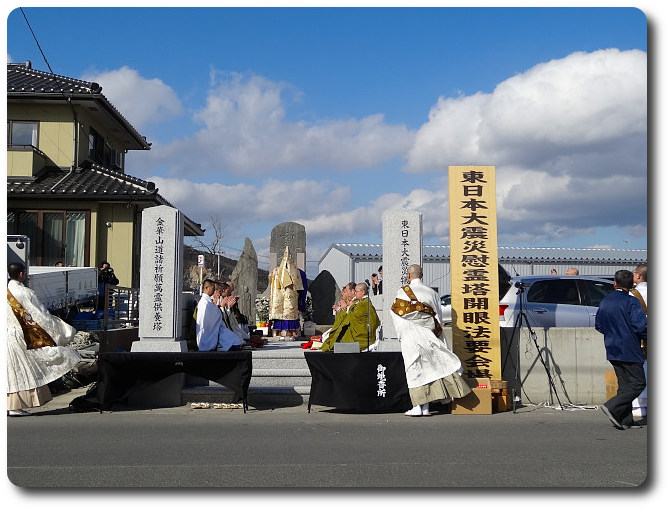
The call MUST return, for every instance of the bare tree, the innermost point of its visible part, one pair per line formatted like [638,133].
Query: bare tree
[193,276]
[213,246]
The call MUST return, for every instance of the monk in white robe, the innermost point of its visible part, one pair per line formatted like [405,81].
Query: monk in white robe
[432,369]
[36,346]
[211,333]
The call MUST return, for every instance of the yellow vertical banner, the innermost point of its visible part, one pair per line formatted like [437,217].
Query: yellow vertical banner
[473,239]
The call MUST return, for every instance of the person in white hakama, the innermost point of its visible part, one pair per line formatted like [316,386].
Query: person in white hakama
[211,333]
[36,346]
[432,369]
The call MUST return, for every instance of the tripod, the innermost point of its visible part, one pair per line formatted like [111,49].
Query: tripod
[519,321]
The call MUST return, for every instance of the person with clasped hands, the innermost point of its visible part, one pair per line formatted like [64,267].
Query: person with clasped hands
[622,321]
[211,333]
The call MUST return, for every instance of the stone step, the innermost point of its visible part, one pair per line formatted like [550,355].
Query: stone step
[275,381]
[258,397]
[278,363]
[280,378]
[281,372]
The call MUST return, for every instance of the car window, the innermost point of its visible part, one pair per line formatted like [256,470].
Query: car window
[554,291]
[504,282]
[596,291]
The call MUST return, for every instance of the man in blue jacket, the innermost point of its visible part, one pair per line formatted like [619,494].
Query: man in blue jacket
[622,321]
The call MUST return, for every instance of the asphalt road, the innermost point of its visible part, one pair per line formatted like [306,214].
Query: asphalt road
[183,447]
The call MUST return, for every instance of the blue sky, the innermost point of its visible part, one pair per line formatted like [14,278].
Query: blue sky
[330,116]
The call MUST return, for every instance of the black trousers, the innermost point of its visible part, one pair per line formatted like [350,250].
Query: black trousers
[631,381]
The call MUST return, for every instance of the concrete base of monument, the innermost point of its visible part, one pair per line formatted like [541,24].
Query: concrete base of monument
[162,345]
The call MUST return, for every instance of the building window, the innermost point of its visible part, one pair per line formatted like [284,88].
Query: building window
[99,151]
[54,235]
[118,160]
[21,134]
[96,147]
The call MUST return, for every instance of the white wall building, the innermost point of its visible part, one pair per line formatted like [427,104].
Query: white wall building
[355,262]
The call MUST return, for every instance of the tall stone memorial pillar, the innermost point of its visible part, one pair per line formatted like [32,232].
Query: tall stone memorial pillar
[161,270]
[245,279]
[292,235]
[402,246]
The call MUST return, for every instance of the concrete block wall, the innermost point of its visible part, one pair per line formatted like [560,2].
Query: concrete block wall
[575,358]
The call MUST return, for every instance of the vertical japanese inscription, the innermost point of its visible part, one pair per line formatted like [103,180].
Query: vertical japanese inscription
[381,380]
[159,253]
[474,269]
[404,251]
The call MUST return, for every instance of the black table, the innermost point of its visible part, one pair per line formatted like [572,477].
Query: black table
[371,381]
[119,371]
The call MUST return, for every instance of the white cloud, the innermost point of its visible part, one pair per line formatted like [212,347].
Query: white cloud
[247,204]
[584,104]
[246,132]
[568,139]
[143,101]
[368,218]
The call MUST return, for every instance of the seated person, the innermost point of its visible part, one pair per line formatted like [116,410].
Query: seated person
[242,319]
[340,311]
[227,304]
[360,324]
[210,331]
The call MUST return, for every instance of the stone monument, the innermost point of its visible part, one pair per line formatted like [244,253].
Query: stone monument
[402,246]
[325,293]
[161,275]
[245,279]
[292,235]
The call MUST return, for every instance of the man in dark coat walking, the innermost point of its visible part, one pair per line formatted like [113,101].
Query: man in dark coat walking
[622,321]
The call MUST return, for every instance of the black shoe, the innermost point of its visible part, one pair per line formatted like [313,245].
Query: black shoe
[635,425]
[607,412]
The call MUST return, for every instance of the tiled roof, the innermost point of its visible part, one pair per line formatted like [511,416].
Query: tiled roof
[365,250]
[96,183]
[24,82]
[23,79]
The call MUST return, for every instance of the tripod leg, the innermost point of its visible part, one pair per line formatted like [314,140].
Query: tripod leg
[516,334]
[546,368]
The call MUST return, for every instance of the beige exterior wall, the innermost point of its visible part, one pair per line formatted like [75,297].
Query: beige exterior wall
[55,137]
[115,243]
[24,163]
[55,133]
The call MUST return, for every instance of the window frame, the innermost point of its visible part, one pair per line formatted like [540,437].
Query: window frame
[37,245]
[11,145]
[546,285]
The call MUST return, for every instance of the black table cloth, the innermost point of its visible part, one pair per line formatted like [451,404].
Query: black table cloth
[119,371]
[369,381]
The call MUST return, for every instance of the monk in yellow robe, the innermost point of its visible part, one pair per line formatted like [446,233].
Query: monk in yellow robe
[359,324]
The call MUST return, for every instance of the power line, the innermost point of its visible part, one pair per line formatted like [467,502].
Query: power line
[36,41]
